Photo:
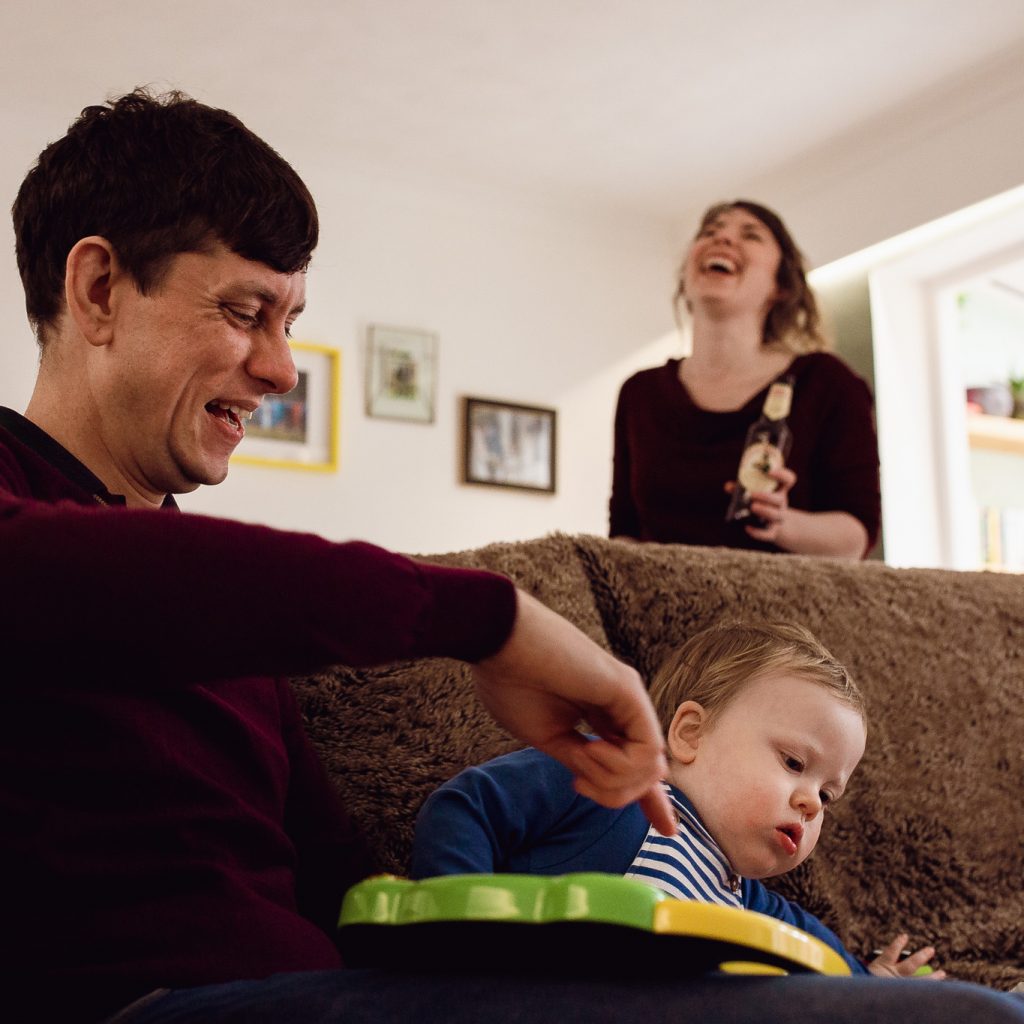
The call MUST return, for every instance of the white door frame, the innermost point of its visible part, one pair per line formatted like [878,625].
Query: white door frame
[928,515]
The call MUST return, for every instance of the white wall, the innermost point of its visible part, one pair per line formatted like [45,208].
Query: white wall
[532,305]
[952,147]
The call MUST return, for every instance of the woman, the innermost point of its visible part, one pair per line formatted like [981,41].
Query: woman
[680,428]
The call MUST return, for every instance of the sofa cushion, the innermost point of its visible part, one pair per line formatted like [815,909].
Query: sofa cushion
[928,838]
[389,736]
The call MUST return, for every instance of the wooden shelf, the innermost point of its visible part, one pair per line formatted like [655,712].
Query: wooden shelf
[996,433]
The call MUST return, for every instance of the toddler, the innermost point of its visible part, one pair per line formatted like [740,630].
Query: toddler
[764,729]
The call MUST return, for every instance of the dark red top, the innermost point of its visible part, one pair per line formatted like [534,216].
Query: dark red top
[673,458]
[163,819]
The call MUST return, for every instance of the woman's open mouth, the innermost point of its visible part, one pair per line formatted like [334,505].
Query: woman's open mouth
[719,265]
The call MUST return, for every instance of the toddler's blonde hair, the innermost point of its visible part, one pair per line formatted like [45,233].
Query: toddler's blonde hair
[715,664]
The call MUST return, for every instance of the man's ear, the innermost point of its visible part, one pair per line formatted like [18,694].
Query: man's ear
[90,274]
[684,732]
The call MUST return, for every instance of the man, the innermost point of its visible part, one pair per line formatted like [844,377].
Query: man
[166,824]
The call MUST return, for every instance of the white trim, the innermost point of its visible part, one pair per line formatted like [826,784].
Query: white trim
[927,511]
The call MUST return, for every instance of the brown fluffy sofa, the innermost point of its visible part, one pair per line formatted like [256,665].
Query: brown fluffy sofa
[930,837]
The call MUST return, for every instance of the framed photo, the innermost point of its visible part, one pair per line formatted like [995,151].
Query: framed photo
[298,430]
[401,373]
[508,445]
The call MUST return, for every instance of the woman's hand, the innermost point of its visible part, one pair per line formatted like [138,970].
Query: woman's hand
[772,508]
[833,534]
[889,965]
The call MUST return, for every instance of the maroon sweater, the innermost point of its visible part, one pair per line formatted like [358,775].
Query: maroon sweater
[163,819]
[673,459]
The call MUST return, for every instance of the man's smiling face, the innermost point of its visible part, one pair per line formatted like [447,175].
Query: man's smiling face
[188,364]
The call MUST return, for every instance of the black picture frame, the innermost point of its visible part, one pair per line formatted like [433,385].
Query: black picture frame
[506,444]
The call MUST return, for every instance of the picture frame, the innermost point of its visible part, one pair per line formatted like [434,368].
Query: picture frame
[401,373]
[509,445]
[298,430]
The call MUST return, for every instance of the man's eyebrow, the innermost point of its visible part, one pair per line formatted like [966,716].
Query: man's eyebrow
[268,298]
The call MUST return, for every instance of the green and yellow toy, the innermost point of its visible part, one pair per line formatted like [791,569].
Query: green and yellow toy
[586,923]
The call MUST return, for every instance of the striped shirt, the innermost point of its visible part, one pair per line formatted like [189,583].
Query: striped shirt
[688,865]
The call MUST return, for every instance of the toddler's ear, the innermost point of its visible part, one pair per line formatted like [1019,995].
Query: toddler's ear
[684,732]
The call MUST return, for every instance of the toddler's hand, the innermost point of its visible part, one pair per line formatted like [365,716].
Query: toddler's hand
[888,963]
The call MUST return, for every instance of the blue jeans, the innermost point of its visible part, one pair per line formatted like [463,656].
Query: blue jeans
[375,996]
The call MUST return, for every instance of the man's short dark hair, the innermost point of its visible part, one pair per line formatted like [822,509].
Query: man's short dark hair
[156,175]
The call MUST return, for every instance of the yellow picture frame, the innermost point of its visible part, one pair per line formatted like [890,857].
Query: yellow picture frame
[299,430]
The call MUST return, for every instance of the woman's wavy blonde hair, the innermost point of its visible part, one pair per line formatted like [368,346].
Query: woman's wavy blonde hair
[793,322]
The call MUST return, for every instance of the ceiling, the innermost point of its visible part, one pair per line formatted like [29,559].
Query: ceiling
[636,106]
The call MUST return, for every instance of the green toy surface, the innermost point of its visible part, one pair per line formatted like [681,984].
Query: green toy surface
[579,923]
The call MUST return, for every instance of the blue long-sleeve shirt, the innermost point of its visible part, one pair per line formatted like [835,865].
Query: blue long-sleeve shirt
[520,813]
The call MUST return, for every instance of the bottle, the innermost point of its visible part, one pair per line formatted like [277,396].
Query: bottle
[765,449]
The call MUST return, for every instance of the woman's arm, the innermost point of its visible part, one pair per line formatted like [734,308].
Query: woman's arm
[834,534]
[844,507]
[837,534]
[623,521]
